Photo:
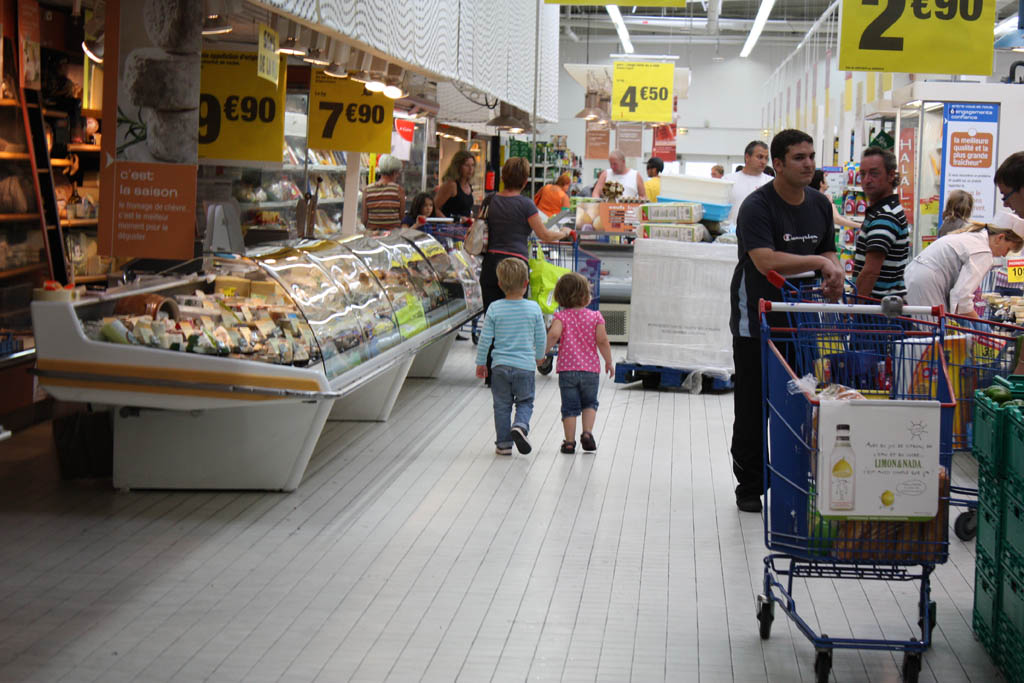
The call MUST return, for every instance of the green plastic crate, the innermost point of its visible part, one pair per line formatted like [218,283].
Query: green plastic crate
[1008,656]
[1012,534]
[990,530]
[988,582]
[1013,448]
[1011,599]
[987,444]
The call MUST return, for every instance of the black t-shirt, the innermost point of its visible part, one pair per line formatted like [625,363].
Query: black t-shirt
[767,221]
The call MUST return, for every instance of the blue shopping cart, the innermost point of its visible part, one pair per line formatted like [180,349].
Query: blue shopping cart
[859,346]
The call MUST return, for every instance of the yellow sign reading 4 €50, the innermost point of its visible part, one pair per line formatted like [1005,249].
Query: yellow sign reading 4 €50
[642,91]
[917,36]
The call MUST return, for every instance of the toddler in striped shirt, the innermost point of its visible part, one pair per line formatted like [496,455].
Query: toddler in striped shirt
[516,327]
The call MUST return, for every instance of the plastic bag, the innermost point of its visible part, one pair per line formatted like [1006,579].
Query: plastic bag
[808,384]
[543,277]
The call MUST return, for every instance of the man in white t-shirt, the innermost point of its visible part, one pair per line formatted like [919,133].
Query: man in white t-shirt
[751,177]
[632,183]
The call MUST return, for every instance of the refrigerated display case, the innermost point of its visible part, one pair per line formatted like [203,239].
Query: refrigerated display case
[224,378]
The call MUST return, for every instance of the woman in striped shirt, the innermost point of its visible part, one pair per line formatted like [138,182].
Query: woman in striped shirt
[384,201]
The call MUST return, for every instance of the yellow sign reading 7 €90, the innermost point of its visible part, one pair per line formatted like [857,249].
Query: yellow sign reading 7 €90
[917,36]
[642,91]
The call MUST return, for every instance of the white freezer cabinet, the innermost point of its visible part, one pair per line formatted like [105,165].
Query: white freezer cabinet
[225,378]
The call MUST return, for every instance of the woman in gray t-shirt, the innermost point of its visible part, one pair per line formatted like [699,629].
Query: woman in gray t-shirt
[511,218]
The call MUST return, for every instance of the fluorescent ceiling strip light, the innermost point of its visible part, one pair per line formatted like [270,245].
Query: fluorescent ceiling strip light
[755,31]
[620,27]
[1006,25]
[666,58]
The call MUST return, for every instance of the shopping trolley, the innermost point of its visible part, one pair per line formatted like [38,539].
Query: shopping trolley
[973,356]
[884,359]
[569,255]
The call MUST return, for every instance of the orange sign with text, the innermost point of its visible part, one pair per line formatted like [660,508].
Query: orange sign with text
[152,202]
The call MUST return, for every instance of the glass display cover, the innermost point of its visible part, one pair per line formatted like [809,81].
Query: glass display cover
[443,265]
[408,303]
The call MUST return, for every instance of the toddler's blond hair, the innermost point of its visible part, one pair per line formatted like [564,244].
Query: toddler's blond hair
[512,274]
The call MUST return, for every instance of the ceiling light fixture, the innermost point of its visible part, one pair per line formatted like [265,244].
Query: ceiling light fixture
[93,48]
[507,119]
[291,45]
[216,25]
[336,68]
[317,54]
[755,31]
[620,28]
[592,107]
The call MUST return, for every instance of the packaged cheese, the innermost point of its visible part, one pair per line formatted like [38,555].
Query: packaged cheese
[679,232]
[672,212]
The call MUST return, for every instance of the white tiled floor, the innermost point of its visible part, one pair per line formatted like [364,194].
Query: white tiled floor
[412,552]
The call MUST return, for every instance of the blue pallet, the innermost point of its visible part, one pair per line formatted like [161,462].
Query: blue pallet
[712,212]
[626,373]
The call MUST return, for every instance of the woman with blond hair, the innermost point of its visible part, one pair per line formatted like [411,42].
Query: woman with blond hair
[950,269]
[553,197]
[957,212]
[454,197]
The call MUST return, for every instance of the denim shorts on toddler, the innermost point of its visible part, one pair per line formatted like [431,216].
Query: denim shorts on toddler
[579,391]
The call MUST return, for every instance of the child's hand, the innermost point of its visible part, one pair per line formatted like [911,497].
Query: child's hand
[540,361]
[609,367]
[481,371]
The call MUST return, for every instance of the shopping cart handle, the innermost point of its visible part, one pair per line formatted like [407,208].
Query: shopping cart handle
[775,279]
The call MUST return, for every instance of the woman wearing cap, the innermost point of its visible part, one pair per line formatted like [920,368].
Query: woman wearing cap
[552,198]
[652,186]
[948,272]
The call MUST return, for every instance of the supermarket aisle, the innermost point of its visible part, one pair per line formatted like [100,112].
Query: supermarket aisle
[416,554]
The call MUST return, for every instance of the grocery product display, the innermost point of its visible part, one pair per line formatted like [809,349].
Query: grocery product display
[299,326]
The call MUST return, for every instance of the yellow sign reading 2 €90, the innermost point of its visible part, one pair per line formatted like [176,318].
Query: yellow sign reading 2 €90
[642,91]
[917,36]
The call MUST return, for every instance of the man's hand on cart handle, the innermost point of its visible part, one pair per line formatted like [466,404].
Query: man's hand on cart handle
[481,371]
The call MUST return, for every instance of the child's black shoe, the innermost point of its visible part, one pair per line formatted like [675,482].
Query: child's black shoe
[568,447]
[588,443]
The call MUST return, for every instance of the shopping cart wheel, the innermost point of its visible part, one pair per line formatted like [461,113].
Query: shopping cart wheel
[822,664]
[911,666]
[545,367]
[966,525]
[765,615]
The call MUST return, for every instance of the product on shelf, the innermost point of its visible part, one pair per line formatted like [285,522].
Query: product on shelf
[672,212]
[680,232]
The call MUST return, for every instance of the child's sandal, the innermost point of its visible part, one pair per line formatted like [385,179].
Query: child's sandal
[588,443]
[568,447]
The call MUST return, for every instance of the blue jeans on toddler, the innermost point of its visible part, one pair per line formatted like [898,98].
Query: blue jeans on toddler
[579,391]
[511,386]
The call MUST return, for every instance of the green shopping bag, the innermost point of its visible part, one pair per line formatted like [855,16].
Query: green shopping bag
[543,277]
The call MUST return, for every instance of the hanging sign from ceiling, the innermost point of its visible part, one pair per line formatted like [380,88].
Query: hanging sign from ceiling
[941,36]
[642,91]
[344,116]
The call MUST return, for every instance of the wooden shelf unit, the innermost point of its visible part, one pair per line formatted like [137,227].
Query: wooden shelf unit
[14,156]
[81,147]
[80,222]
[18,217]
[21,270]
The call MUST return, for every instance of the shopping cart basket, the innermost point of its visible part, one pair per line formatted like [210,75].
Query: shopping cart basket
[880,357]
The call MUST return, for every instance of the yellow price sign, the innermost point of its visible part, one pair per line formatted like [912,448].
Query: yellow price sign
[268,64]
[1015,270]
[344,116]
[642,91]
[919,36]
[241,115]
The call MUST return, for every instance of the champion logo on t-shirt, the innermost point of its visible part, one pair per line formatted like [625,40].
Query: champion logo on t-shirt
[788,237]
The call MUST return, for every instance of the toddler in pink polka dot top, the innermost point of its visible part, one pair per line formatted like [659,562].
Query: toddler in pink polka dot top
[580,335]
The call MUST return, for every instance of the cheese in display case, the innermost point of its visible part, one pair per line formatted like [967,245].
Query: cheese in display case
[223,374]
[445,266]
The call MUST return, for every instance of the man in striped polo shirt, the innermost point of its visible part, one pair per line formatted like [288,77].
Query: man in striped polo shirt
[883,241]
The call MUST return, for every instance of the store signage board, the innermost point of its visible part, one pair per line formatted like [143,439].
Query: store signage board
[945,36]
[663,143]
[905,165]
[598,140]
[28,38]
[1015,270]
[642,91]
[344,116]
[970,134]
[241,115]
[148,163]
[401,139]
[268,63]
[629,139]
[889,468]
